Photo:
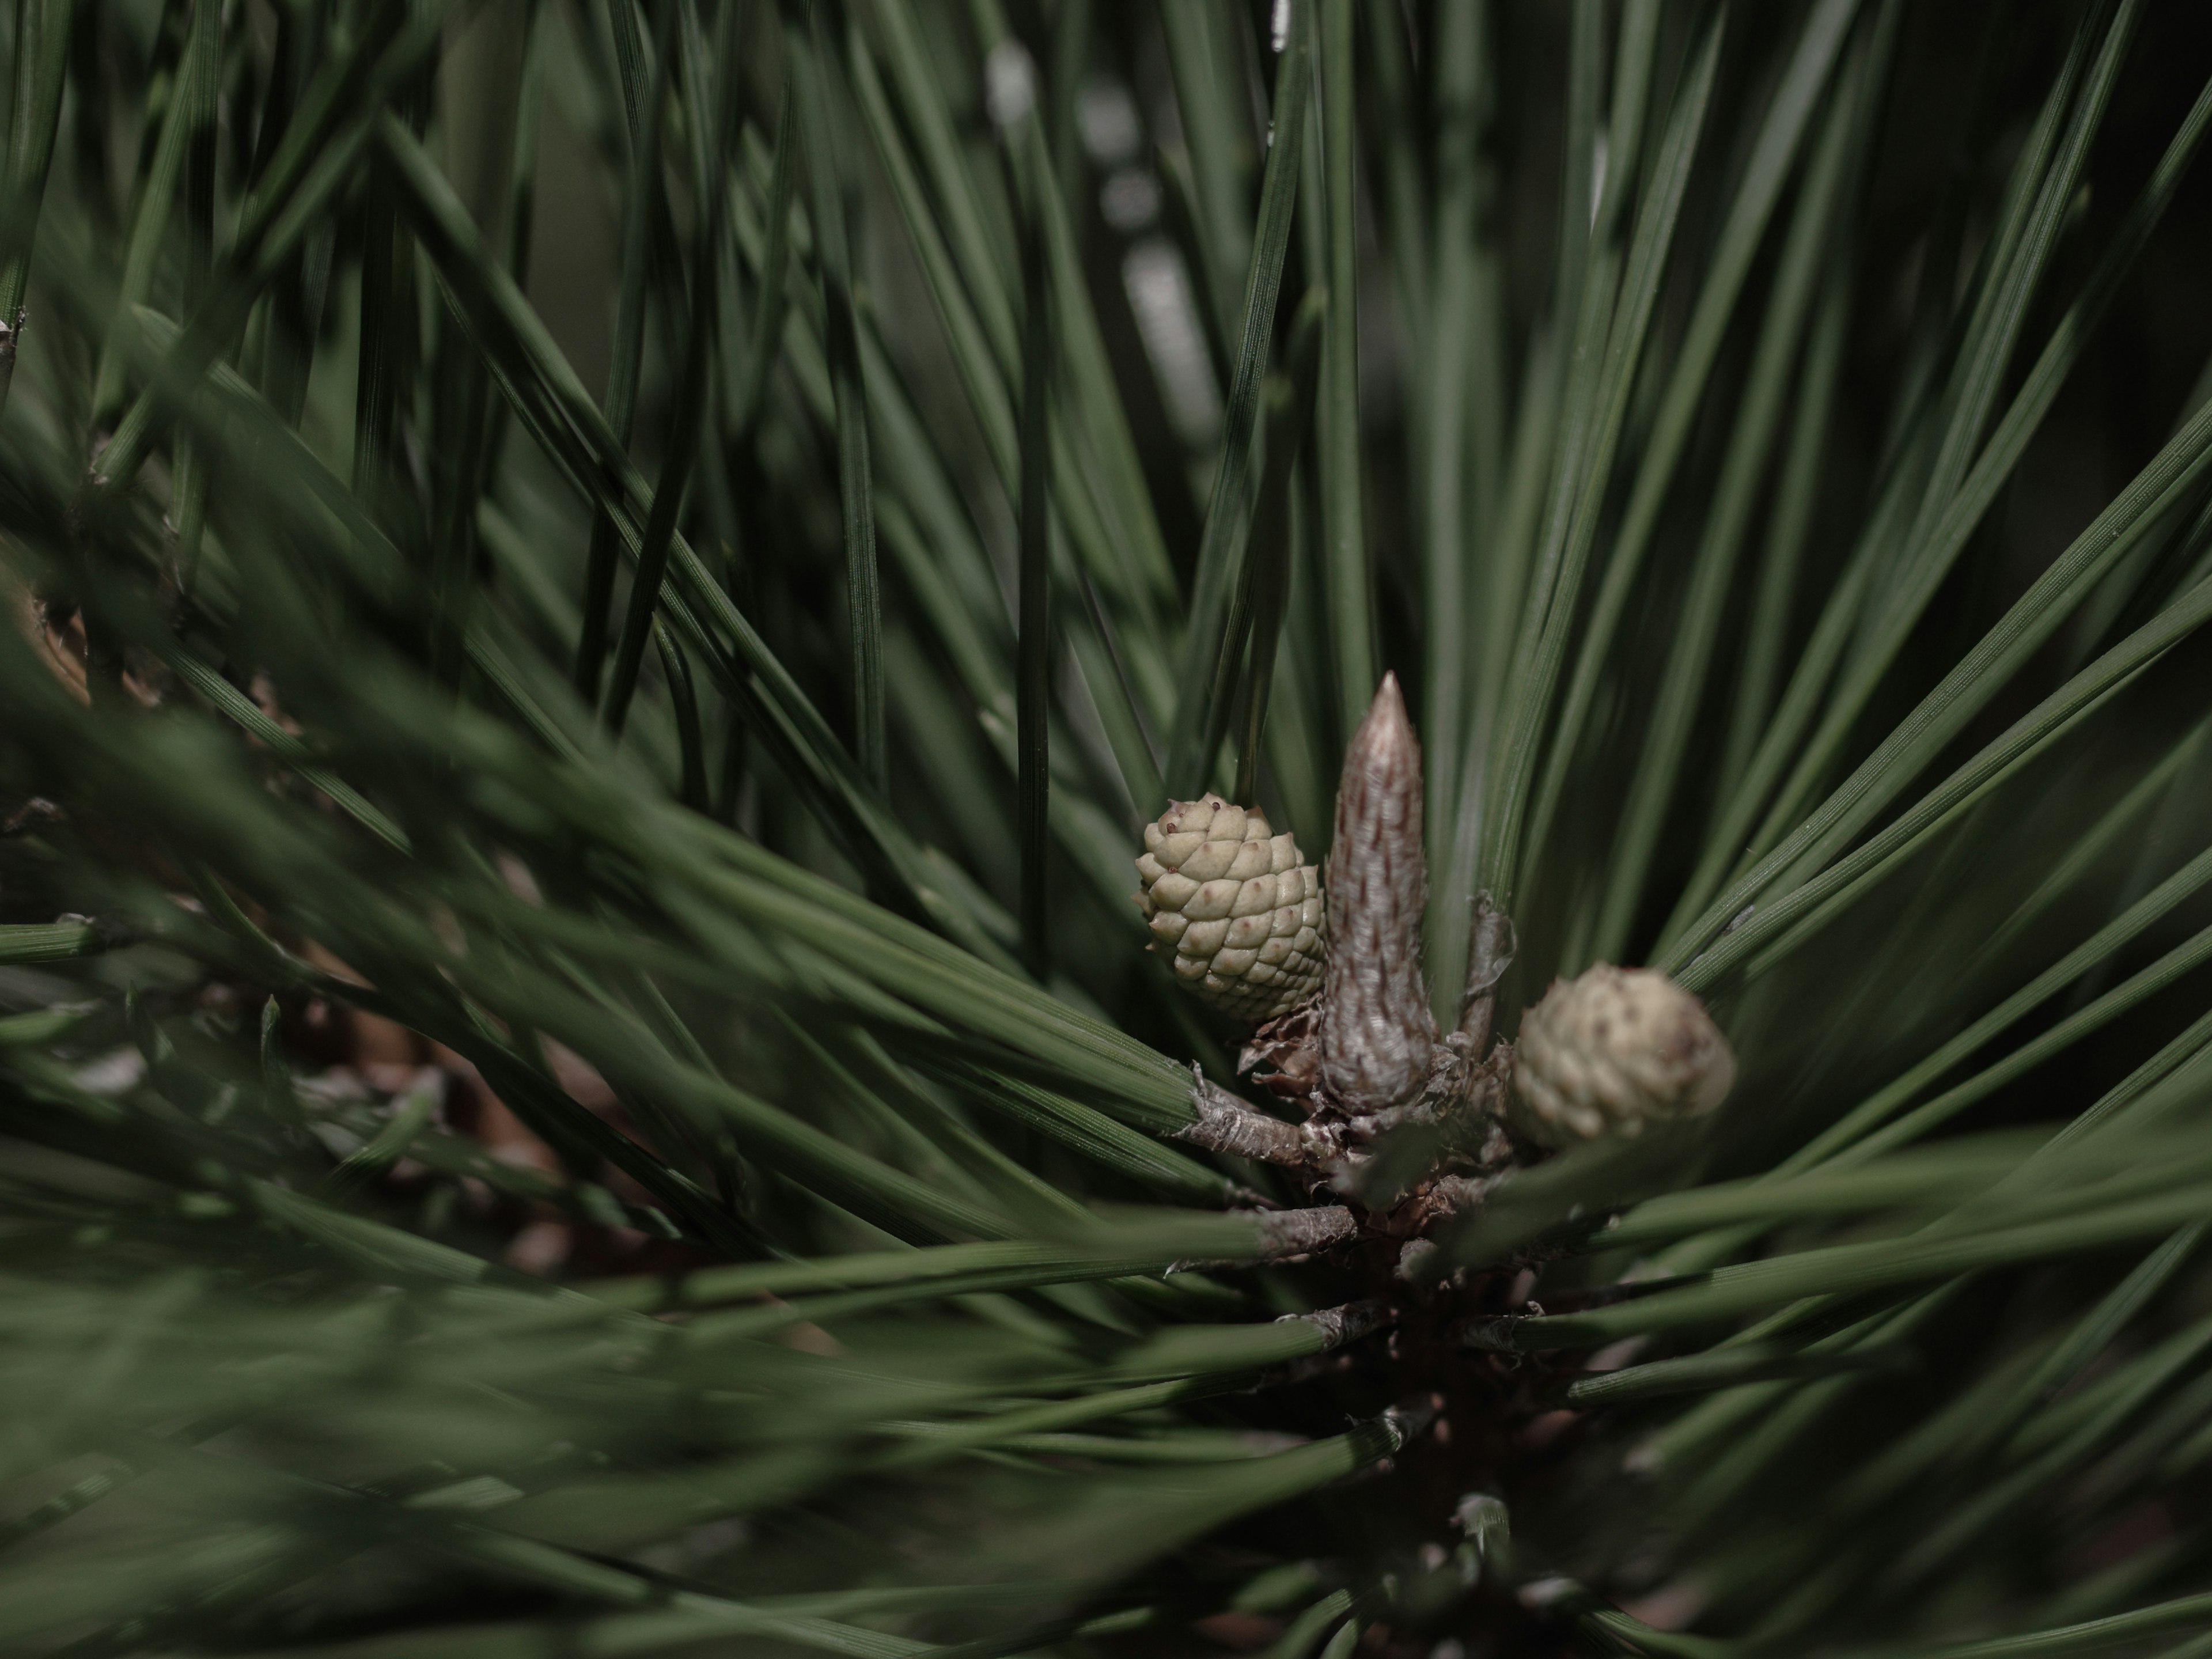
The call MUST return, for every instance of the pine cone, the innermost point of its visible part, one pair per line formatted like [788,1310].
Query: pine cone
[1613,1051]
[1241,914]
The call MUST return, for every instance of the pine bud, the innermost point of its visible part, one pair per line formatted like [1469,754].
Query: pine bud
[1614,1050]
[1231,899]
[1377,1034]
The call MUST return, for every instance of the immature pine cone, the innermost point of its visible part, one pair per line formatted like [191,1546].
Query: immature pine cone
[1614,1050]
[1241,914]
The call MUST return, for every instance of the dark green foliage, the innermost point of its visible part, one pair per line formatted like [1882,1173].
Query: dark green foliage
[521,1144]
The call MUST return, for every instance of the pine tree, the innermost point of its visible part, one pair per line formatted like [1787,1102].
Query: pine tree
[608,603]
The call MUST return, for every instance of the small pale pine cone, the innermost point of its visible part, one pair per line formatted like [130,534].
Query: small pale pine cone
[1242,916]
[1613,1051]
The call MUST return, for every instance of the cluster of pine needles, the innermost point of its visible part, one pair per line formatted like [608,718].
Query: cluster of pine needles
[597,593]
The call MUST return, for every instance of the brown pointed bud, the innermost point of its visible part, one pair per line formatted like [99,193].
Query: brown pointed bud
[1376,1032]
